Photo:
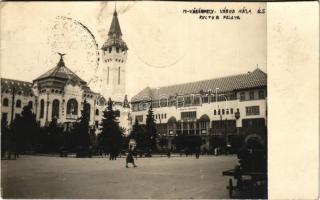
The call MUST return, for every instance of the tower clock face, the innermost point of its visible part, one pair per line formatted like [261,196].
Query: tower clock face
[75,39]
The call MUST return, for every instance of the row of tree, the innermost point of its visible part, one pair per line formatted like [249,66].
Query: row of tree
[25,135]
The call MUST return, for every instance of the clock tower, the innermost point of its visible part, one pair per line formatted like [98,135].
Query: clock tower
[114,57]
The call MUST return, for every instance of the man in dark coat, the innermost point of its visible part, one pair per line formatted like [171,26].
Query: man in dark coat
[130,158]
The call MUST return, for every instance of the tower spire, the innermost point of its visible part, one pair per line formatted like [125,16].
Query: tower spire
[115,25]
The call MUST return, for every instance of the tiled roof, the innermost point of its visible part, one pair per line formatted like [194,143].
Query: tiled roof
[22,87]
[61,72]
[257,78]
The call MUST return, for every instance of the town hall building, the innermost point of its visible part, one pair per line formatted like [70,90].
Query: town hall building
[60,93]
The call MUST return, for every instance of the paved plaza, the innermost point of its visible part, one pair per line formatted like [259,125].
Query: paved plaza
[156,177]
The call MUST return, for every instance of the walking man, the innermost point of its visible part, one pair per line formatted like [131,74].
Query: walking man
[130,158]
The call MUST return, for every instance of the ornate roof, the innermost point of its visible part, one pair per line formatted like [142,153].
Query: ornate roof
[115,35]
[20,87]
[254,79]
[61,72]
[115,26]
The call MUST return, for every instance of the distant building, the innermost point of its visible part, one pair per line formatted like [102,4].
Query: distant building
[225,107]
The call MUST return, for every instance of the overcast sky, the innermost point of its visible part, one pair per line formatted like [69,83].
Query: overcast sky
[165,46]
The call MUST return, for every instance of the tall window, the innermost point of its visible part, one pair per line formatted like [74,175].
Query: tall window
[55,108]
[18,103]
[251,95]
[5,102]
[196,100]
[119,76]
[242,96]
[72,107]
[97,112]
[261,94]
[41,108]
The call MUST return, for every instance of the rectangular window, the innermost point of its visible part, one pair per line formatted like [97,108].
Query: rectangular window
[215,112]
[219,112]
[223,111]
[231,111]
[252,110]
[242,96]
[227,111]
[251,95]
[261,94]
[188,115]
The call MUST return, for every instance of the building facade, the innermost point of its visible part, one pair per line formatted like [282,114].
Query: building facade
[223,107]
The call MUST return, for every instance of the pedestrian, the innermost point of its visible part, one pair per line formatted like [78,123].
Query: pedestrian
[169,153]
[130,158]
[198,152]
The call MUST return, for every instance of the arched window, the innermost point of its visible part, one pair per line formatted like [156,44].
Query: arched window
[97,112]
[18,103]
[55,108]
[5,102]
[30,103]
[72,107]
[41,108]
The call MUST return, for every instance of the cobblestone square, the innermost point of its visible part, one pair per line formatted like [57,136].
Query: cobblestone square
[156,177]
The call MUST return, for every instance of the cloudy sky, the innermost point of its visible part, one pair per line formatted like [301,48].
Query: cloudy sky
[166,46]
